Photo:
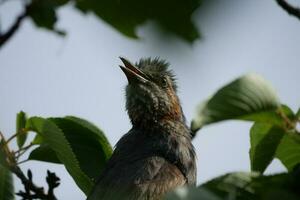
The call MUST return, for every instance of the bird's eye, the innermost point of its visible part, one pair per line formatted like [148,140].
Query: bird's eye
[164,82]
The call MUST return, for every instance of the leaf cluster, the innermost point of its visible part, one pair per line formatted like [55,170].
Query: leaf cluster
[171,16]
[273,136]
[76,143]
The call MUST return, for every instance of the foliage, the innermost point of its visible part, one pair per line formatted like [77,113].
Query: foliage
[21,123]
[88,143]
[6,184]
[83,148]
[249,97]
[76,143]
[125,16]
[248,186]
[273,135]
[53,136]
[43,13]
[172,16]
[262,135]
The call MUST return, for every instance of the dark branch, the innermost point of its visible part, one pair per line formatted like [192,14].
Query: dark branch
[4,37]
[289,8]
[53,182]
[31,190]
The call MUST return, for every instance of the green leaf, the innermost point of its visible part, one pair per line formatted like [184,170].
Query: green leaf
[38,139]
[174,16]
[95,131]
[280,194]
[288,151]
[54,137]
[20,125]
[43,13]
[6,184]
[248,98]
[44,153]
[264,139]
[60,2]
[288,112]
[191,193]
[279,186]
[88,143]
[2,154]
[170,16]
[232,186]
[249,186]
[3,159]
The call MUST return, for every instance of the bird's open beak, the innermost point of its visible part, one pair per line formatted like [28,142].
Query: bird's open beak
[132,73]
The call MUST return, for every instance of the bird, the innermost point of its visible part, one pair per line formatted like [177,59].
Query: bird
[156,155]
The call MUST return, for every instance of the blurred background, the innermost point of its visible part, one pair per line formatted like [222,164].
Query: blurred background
[47,75]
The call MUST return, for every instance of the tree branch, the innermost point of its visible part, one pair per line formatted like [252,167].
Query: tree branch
[28,184]
[2,136]
[289,8]
[4,37]
[31,190]
[21,151]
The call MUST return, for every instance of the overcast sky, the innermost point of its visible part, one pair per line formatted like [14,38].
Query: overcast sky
[47,75]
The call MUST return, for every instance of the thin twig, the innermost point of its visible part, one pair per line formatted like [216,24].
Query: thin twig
[21,151]
[24,148]
[13,136]
[10,157]
[2,137]
[14,27]
[289,124]
[23,161]
[289,8]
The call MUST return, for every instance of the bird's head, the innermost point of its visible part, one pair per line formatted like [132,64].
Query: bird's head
[151,92]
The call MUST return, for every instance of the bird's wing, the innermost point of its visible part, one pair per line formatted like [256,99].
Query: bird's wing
[148,178]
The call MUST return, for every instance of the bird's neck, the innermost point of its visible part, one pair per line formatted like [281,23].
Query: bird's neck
[165,125]
[151,116]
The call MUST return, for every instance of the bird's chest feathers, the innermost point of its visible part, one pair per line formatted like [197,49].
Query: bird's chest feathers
[175,148]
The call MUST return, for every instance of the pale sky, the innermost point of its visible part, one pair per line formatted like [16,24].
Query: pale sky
[46,75]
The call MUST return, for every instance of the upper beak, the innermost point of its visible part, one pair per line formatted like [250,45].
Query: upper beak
[132,73]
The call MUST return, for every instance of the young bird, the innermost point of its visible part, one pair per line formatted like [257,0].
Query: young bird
[156,155]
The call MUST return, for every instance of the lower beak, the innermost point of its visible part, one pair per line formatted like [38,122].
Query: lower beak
[132,73]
